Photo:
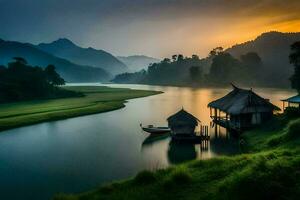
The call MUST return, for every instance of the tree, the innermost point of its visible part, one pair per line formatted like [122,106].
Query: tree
[166,60]
[195,57]
[52,76]
[295,60]
[251,59]
[216,51]
[224,69]
[253,67]
[180,57]
[20,81]
[20,60]
[196,73]
[174,58]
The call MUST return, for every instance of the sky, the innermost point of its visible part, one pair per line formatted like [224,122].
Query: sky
[158,28]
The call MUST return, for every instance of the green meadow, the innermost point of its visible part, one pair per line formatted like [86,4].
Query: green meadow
[95,99]
[269,168]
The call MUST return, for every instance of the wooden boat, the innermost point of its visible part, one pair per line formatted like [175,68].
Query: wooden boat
[155,130]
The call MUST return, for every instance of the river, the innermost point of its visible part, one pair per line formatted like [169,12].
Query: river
[78,154]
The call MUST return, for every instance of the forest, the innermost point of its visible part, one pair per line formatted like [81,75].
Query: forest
[20,81]
[217,69]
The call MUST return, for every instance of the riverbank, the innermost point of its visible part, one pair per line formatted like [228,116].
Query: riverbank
[269,169]
[96,99]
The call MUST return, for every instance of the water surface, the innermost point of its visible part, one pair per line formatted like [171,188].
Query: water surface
[77,154]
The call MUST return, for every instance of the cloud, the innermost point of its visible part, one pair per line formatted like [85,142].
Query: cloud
[154,27]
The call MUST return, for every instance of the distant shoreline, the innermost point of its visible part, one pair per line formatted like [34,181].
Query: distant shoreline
[97,99]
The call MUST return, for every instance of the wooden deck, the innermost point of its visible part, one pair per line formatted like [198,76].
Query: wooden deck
[197,137]
[224,122]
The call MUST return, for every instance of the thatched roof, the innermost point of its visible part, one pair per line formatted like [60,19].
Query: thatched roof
[293,99]
[183,117]
[240,101]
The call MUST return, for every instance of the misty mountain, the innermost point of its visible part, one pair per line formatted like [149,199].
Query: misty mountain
[274,50]
[137,62]
[66,49]
[69,71]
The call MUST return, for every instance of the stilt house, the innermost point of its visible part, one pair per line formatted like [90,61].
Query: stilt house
[242,109]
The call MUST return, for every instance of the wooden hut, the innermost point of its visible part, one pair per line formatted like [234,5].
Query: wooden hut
[182,124]
[242,109]
[292,101]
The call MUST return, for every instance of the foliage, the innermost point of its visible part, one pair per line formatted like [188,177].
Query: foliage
[136,77]
[20,81]
[145,177]
[224,69]
[174,71]
[295,60]
[217,69]
[292,112]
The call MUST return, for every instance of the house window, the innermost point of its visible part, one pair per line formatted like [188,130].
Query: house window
[256,118]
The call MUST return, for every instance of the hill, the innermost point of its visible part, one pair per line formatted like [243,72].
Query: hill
[69,71]
[66,49]
[137,62]
[274,50]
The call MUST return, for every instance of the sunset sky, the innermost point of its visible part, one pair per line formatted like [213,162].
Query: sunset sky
[156,28]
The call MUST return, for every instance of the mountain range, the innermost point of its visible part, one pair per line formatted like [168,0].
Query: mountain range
[137,62]
[66,49]
[71,72]
[77,64]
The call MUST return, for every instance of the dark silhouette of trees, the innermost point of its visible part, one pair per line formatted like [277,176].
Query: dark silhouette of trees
[216,51]
[174,58]
[175,71]
[295,60]
[196,74]
[224,68]
[180,58]
[52,76]
[252,64]
[20,81]
[218,69]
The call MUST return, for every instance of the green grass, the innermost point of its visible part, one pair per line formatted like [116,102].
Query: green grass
[96,99]
[267,170]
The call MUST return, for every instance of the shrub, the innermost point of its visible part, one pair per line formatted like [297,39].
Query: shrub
[293,130]
[145,177]
[274,141]
[179,177]
[292,112]
[107,189]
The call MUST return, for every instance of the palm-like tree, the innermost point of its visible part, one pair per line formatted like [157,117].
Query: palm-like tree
[295,60]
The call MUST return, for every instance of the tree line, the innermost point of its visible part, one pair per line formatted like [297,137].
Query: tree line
[218,68]
[20,81]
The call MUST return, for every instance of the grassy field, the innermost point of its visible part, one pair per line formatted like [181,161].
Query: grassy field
[97,99]
[269,169]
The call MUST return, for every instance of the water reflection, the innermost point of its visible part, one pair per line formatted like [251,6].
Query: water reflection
[152,138]
[181,152]
[222,142]
[77,154]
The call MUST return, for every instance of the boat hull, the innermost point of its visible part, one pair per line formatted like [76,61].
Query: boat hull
[156,130]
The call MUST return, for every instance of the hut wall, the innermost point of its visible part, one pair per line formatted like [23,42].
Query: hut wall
[250,119]
[183,130]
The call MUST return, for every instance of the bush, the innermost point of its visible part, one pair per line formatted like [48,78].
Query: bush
[178,177]
[293,130]
[181,176]
[145,177]
[292,112]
